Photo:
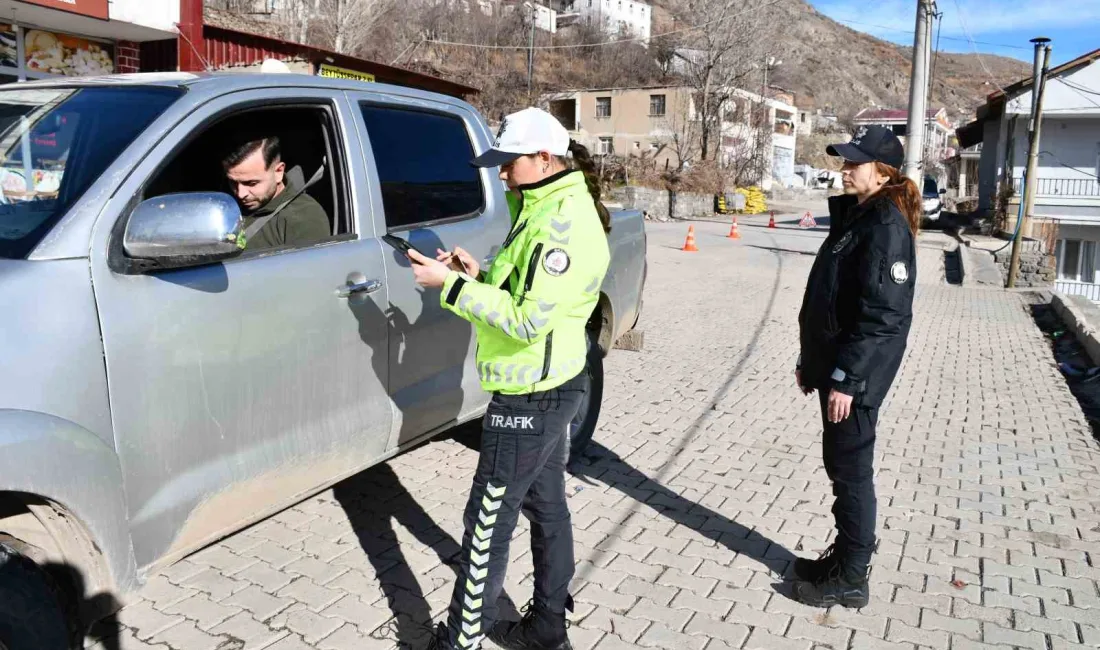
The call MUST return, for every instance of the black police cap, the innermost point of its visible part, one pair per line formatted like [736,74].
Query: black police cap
[870,144]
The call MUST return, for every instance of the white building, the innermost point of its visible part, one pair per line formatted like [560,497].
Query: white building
[937,131]
[1068,173]
[626,18]
[643,121]
[546,18]
[779,128]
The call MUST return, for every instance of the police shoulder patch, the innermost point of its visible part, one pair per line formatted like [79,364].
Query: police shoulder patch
[556,261]
[899,273]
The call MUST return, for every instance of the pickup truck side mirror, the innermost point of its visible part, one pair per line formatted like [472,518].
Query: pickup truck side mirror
[187,229]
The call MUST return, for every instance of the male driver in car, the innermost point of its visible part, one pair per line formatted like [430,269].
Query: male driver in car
[258,179]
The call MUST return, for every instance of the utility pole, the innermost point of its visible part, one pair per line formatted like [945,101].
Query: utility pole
[531,53]
[1038,88]
[762,137]
[918,91]
[928,143]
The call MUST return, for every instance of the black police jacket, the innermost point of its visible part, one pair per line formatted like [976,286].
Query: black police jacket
[858,305]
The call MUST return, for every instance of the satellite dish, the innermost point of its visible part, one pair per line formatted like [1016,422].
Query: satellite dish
[274,66]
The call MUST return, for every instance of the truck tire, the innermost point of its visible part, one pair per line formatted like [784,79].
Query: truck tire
[584,422]
[33,611]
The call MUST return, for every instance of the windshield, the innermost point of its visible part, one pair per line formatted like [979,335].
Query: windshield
[930,185]
[54,142]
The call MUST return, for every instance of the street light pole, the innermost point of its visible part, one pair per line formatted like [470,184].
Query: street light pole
[1027,201]
[918,91]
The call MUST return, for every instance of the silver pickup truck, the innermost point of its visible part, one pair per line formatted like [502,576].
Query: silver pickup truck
[163,388]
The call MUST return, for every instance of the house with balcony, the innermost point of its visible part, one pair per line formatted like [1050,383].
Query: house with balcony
[937,127]
[661,123]
[1067,188]
[624,18]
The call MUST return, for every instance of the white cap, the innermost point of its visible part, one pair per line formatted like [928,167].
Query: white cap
[274,66]
[527,132]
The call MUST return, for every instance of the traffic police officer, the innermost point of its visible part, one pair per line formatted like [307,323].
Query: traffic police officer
[530,310]
[853,325]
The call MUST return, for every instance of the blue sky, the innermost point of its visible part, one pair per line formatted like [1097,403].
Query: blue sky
[996,26]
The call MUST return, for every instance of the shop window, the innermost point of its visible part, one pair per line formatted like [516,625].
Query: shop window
[307,141]
[40,54]
[423,162]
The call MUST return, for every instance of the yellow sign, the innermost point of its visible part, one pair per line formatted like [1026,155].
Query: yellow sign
[326,70]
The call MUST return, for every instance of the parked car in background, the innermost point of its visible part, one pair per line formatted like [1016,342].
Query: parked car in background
[932,199]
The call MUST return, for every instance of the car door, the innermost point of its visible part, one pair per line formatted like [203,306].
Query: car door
[239,387]
[418,160]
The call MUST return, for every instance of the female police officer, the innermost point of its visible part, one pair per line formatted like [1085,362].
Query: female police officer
[530,310]
[853,328]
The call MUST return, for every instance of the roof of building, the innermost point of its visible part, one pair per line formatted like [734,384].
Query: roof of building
[872,114]
[234,40]
[1026,82]
[974,132]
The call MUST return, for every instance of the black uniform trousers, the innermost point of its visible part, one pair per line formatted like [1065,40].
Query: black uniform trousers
[524,443]
[848,449]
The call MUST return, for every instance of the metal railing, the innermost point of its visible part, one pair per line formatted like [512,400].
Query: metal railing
[1088,187]
[1088,290]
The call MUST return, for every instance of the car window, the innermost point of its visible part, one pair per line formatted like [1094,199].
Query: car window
[303,138]
[54,142]
[423,161]
[930,185]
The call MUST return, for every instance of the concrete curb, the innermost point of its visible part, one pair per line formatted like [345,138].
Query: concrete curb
[1081,317]
[965,266]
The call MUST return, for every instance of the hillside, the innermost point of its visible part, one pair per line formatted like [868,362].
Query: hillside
[826,65]
[829,65]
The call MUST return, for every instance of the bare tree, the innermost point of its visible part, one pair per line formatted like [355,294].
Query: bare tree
[348,23]
[680,130]
[725,52]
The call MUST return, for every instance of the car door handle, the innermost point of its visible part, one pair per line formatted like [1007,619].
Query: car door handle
[367,286]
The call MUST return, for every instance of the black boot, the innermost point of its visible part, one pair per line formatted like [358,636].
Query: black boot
[841,586]
[814,570]
[441,640]
[540,629]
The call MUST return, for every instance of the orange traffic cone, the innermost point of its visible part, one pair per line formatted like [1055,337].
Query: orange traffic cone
[733,230]
[689,245]
[771,221]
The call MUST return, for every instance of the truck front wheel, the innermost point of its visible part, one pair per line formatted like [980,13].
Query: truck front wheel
[584,422]
[32,608]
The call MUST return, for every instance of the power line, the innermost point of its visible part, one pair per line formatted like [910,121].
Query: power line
[641,39]
[938,16]
[1059,161]
[946,38]
[962,22]
[936,56]
[1078,87]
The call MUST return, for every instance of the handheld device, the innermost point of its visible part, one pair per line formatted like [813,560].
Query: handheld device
[404,246]
[399,244]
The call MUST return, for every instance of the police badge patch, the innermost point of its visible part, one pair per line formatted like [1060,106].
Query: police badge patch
[842,243]
[899,273]
[556,262]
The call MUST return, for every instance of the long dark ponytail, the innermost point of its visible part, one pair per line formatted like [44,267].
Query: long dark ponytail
[582,161]
[904,193]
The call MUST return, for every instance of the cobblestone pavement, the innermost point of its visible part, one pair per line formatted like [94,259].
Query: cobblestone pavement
[708,483]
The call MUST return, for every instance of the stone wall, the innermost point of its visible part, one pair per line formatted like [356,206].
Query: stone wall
[1037,269]
[655,203]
